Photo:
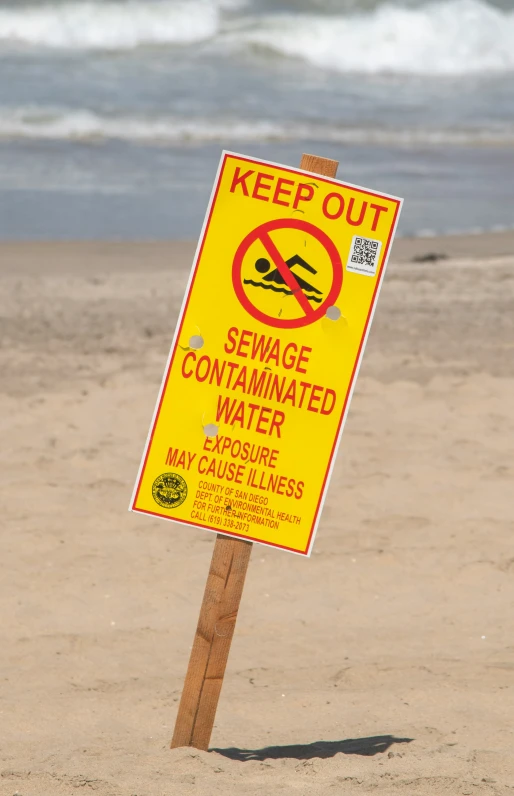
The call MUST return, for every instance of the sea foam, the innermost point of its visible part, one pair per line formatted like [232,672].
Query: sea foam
[442,38]
[446,37]
[110,25]
[69,124]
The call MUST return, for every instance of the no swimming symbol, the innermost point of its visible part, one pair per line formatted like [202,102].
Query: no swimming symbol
[311,303]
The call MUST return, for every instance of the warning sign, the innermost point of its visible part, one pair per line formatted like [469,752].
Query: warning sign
[266,353]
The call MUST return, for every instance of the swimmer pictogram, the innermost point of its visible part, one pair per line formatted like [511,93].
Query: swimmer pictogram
[274,278]
[285,277]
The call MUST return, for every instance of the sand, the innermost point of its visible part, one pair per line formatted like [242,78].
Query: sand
[384,664]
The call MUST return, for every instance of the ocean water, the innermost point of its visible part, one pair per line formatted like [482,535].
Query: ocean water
[113,113]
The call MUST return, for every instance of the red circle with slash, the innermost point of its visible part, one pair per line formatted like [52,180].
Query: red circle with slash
[261,233]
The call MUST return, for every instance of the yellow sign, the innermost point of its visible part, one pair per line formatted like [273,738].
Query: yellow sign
[266,353]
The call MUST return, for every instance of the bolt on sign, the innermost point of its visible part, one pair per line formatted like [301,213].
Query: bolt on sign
[266,353]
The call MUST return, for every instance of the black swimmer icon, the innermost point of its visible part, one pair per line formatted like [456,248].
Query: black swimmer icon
[273,278]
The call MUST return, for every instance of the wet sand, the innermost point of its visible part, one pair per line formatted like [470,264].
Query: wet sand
[383,664]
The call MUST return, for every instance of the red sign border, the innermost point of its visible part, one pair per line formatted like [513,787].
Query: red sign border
[304,226]
[225,157]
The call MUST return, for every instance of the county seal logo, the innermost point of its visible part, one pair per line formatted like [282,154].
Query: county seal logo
[169,490]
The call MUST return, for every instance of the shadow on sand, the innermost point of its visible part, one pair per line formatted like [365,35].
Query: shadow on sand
[358,746]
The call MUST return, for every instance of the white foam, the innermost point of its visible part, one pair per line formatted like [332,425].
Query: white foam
[442,38]
[448,37]
[85,125]
[51,123]
[110,25]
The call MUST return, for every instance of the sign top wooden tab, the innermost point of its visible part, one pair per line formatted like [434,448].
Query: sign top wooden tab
[324,166]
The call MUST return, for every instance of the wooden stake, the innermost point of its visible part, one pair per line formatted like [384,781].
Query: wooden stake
[218,614]
[211,645]
[323,166]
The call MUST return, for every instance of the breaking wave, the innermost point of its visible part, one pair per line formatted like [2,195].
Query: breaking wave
[62,124]
[110,25]
[446,37]
[442,38]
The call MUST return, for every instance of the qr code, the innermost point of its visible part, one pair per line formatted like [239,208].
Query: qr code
[364,256]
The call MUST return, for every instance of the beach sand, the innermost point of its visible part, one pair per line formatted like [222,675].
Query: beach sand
[383,664]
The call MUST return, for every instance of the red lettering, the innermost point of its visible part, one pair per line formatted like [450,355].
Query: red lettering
[188,375]
[256,383]
[277,388]
[232,335]
[291,393]
[378,209]
[324,409]
[288,364]
[304,193]
[217,372]
[274,353]
[277,421]
[305,385]
[216,442]
[279,190]
[339,208]
[281,484]
[349,213]
[171,458]
[240,179]
[244,341]
[225,410]
[314,398]
[263,418]
[239,416]
[263,458]
[231,366]
[241,380]
[207,360]
[258,347]
[253,408]
[273,458]
[302,358]
[259,183]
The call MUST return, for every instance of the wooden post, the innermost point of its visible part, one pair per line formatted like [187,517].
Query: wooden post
[211,645]
[218,614]
[323,166]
